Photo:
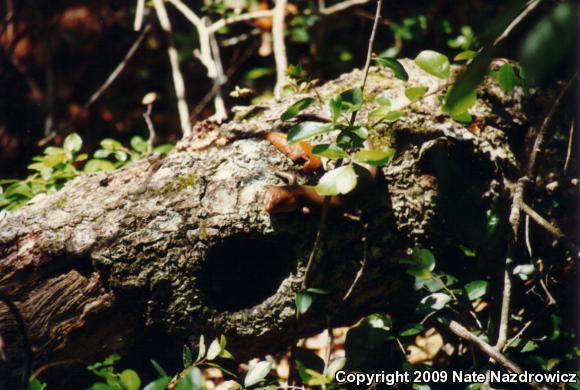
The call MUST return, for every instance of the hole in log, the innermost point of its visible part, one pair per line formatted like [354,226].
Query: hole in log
[242,272]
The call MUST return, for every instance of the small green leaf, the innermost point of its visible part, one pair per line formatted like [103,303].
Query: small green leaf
[130,380]
[102,153]
[303,301]
[411,330]
[335,366]
[72,143]
[530,346]
[434,63]
[352,99]
[97,165]
[465,55]
[214,349]
[476,289]
[307,129]
[507,78]
[201,348]
[329,151]
[374,157]
[461,105]
[164,148]
[158,384]
[383,100]
[186,356]
[397,68]
[415,93]
[139,144]
[257,373]
[436,301]
[392,116]
[338,181]
[335,106]
[257,73]
[315,378]
[463,118]
[158,368]
[380,112]
[294,109]
[35,384]
[111,144]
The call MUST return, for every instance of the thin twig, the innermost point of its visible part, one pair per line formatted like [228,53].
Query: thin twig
[519,334]
[279,45]
[531,6]
[363,262]
[569,149]
[178,83]
[118,69]
[139,11]
[539,142]
[369,55]
[150,127]
[216,26]
[490,351]
[340,6]
[550,228]
[219,80]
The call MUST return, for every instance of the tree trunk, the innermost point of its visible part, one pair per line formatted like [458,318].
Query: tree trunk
[181,244]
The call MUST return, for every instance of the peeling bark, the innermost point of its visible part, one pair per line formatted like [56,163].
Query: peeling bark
[182,243]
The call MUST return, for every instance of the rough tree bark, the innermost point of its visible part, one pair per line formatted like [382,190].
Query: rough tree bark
[182,244]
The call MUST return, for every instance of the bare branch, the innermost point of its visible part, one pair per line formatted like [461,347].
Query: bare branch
[139,11]
[240,18]
[569,149]
[490,351]
[340,6]
[279,46]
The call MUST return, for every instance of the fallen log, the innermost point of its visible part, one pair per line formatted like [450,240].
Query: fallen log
[181,244]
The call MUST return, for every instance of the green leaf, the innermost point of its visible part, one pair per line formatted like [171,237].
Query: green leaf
[338,181]
[397,68]
[130,380]
[436,301]
[464,86]
[352,99]
[415,93]
[158,384]
[186,356]
[463,118]
[139,144]
[507,78]
[390,116]
[294,109]
[374,157]
[476,289]
[97,165]
[461,105]
[315,378]
[214,349]
[257,73]
[72,143]
[201,348]
[335,106]
[368,343]
[111,144]
[411,330]
[158,368]
[329,151]
[303,301]
[434,63]
[35,384]
[193,380]
[380,112]
[335,366]
[383,100]
[164,148]
[102,153]
[465,55]
[529,346]
[257,373]
[307,129]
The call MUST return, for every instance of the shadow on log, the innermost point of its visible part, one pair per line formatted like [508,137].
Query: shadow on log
[181,244]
